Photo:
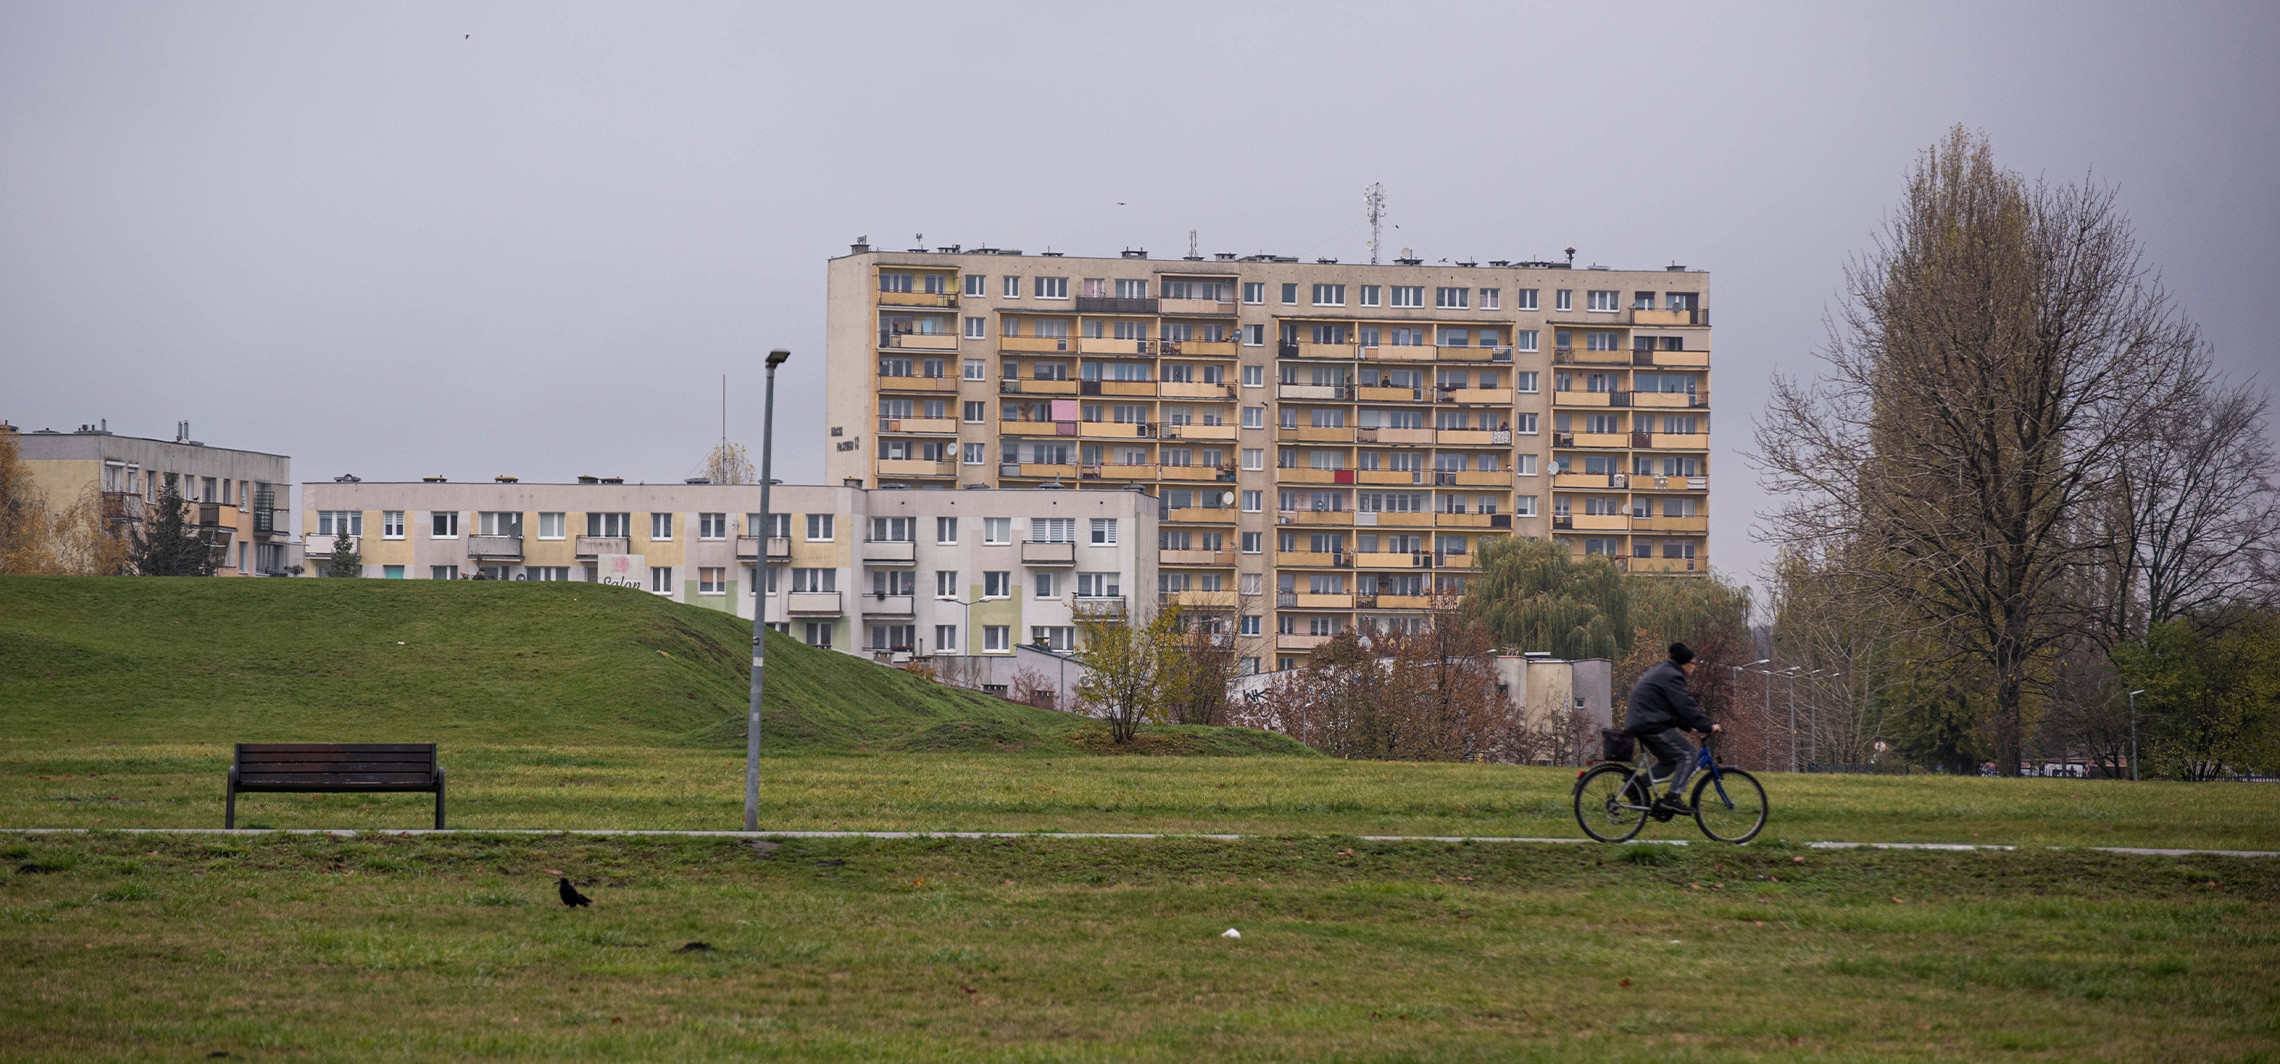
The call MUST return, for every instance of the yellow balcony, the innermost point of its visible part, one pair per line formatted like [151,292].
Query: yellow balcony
[1199,432]
[1315,517]
[1385,393]
[1307,559]
[1397,477]
[1670,565]
[1113,430]
[1574,398]
[1307,600]
[919,341]
[1501,396]
[1109,345]
[1121,472]
[1592,522]
[1650,483]
[1591,439]
[1402,602]
[1453,561]
[1306,350]
[1389,560]
[1675,441]
[1187,472]
[1331,392]
[1198,348]
[1391,519]
[1409,437]
[1674,359]
[1133,389]
[1587,481]
[1472,354]
[915,467]
[1473,437]
[1043,344]
[1031,428]
[1216,308]
[1200,515]
[1303,475]
[1036,387]
[1195,557]
[1397,353]
[918,299]
[1588,357]
[1659,400]
[1465,520]
[1662,319]
[934,385]
[1195,390]
[1313,434]
[1041,470]
[930,426]
[1670,524]
[1292,641]
[1192,599]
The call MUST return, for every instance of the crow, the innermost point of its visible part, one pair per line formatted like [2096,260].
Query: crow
[571,897]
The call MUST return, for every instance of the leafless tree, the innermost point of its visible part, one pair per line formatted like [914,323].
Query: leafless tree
[1033,688]
[2002,348]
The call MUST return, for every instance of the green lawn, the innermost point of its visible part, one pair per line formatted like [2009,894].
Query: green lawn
[311,948]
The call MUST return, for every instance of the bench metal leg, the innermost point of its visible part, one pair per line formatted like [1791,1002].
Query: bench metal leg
[229,803]
[439,797]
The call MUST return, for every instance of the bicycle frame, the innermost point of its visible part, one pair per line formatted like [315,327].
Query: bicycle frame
[1643,777]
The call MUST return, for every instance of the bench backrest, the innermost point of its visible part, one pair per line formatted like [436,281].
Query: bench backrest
[359,765]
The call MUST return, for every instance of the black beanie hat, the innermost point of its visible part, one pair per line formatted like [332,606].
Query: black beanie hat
[1679,654]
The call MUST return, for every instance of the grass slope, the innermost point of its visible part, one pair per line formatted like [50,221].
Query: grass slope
[508,664]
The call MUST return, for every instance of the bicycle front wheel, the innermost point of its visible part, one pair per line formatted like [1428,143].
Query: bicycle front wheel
[1607,806]
[1730,808]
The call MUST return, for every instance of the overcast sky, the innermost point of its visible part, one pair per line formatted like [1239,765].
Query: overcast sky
[411,239]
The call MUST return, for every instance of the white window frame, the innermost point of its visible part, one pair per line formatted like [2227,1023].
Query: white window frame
[660,528]
[391,524]
[1103,532]
[975,328]
[945,531]
[1255,292]
[712,580]
[997,531]
[1012,286]
[1369,295]
[999,579]
[712,526]
[977,285]
[821,523]
[1051,287]
[661,580]
[1563,299]
[447,519]
[997,639]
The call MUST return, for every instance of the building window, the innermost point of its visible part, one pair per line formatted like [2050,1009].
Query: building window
[997,638]
[550,525]
[815,580]
[1061,638]
[1290,295]
[1254,292]
[997,583]
[1369,295]
[1254,542]
[1524,380]
[1104,531]
[946,583]
[1524,339]
[1524,465]
[661,526]
[819,632]
[1490,298]
[946,638]
[442,524]
[712,526]
[1254,417]
[332,522]
[945,530]
[1602,299]
[661,579]
[499,523]
[1052,288]
[1452,298]
[819,528]
[443,572]
[997,531]
[892,529]
[1525,424]
[974,329]
[1097,585]
[1254,458]
[609,526]
[1563,299]
[1012,287]
[1408,295]
[977,285]
[391,524]
[1048,585]
[1052,530]
[976,369]
[1329,295]
[1524,299]
[1602,340]
[712,580]
[974,454]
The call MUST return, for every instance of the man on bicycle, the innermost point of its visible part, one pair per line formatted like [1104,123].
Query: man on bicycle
[1660,706]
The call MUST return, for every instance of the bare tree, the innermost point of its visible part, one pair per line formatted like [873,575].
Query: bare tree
[2192,515]
[2001,350]
[1033,688]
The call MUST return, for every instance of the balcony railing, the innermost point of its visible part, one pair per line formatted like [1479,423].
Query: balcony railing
[890,552]
[494,546]
[1102,606]
[879,604]
[918,299]
[779,547]
[1035,553]
[812,602]
[1114,305]
[596,546]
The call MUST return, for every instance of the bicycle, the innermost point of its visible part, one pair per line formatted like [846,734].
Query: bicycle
[1614,798]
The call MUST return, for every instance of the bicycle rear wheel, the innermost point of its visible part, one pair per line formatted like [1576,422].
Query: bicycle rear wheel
[1603,808]
[1730,808]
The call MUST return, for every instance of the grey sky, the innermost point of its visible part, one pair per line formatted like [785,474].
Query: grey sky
[411,239]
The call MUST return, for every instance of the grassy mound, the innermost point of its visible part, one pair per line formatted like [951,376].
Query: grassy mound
[511,664]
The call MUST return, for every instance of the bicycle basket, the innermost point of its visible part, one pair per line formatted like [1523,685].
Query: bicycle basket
[1614,745]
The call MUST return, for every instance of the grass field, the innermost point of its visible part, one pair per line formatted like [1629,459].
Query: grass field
[391,948]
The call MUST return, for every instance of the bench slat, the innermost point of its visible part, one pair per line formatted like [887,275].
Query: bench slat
[332,767]
[362,779]
[362,748]
[337,759]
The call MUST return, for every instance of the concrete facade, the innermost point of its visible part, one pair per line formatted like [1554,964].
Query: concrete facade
[1338,436]
[891,573]
[238,500]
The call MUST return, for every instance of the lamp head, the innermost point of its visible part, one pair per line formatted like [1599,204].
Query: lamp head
[777,357]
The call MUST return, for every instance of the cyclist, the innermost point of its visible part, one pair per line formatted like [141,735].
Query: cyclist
[1660,706]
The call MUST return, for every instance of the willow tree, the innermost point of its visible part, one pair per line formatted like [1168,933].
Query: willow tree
[1535,594]
[2001,348]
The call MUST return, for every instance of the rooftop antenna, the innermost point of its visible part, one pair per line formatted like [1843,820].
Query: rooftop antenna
[1373,198]
[1191,244]
[724,409]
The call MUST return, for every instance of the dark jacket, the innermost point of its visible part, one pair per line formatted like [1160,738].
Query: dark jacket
[1660,701]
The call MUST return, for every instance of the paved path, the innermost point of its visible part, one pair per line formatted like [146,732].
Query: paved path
[2148,851]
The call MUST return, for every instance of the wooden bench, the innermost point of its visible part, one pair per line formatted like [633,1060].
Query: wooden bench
[331,768]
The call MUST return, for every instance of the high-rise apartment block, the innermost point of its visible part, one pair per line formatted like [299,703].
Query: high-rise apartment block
[1329,443]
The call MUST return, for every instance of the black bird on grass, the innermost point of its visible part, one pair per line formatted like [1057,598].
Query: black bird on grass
[571,897]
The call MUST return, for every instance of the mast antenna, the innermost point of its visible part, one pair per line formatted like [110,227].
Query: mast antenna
[1191,244]
[1373,198]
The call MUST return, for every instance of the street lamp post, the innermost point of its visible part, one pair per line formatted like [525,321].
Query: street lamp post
[760,599]
[1736,674]
[1791,673]
[2133,734]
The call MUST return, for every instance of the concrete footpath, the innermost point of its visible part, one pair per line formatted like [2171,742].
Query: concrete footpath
[2147,851]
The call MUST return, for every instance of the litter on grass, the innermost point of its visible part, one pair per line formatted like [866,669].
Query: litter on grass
[1231,933]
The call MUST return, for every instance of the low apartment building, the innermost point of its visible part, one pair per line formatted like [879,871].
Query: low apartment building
[237,500]
[928,574]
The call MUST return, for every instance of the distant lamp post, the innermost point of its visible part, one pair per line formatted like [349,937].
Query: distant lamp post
[760,598]
[1736,671]
[2133,734]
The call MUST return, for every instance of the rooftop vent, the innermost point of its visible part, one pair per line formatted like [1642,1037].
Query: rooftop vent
[434,480]
[613,480]
[859,246]
[348,478]
[1409,262]
[1223,256]
[696,480]
[508,480]
[1500,262]
[1326,262]
[1051,254]
[1132,254]
[1468,264]
[589,479]
[1675,268]
[951,250]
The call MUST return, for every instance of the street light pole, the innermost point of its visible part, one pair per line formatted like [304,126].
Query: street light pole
[2133,734]
[1791,672]
[760,598]
[1736,672]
